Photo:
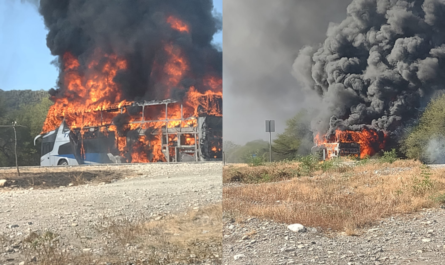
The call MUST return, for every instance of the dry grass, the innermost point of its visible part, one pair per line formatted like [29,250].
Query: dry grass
[341,198]
[266,173]
[194,237]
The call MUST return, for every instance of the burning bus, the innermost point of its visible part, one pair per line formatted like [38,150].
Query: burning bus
[167,138]
[347,143]
[144,88]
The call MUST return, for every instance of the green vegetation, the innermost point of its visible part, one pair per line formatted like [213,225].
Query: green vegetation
[296,139]
[254,152]
[389,156]
[28,108]
[431,127]
[424,184]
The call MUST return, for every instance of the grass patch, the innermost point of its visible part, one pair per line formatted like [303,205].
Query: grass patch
[278,171]
[194,237]
[271,172]
[343,199]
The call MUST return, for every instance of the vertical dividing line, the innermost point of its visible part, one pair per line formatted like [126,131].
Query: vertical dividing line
[196,150]
[270,146]
[15,139]
[166,132]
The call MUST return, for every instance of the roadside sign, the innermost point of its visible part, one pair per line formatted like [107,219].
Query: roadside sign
[270,126]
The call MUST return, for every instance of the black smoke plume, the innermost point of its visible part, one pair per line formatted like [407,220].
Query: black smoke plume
[378,67]
[136,30]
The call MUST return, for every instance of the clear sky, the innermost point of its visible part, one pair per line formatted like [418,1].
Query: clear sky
[25,61]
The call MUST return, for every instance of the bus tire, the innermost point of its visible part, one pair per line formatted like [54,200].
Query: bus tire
[62,162]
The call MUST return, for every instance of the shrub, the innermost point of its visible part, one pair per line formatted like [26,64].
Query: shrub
[308,164]
[389,156]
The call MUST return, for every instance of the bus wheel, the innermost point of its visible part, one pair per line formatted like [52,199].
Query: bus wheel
[63,162]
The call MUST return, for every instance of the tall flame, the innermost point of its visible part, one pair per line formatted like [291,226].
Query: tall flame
[91,90]
[370,141]
[178,24]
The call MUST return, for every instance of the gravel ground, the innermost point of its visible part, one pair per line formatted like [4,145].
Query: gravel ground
[157,190]
[412,239]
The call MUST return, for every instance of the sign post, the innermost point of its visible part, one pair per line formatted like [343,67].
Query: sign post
[270,128]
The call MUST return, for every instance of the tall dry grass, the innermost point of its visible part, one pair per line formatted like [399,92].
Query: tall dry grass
[341,198]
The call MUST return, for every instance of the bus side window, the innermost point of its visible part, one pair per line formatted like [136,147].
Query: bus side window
[46,148]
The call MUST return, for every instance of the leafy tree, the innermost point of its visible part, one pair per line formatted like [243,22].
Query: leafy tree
[428,135]
[243,154]
[296,139]
[32,116]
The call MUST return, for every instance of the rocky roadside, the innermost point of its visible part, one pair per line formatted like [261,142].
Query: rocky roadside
[76,212]
[412,239]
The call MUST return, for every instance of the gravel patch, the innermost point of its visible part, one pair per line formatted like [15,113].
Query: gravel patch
[152,191]
[412,239]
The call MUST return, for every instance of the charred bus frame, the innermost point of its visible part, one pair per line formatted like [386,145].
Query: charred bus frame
[206,131]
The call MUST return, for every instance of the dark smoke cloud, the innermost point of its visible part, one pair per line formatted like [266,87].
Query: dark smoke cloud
[379,66]
[261,41]
[137,31]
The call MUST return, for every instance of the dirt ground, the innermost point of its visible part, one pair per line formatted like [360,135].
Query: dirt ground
[80,204]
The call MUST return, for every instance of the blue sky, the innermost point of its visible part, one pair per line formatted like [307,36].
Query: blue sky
[25,61]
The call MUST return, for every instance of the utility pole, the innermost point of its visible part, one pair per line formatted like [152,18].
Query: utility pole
[14,125]
[270,128]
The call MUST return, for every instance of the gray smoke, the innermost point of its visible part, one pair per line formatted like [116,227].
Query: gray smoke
[136,31]
[261,41]
[434,151]
[378,67]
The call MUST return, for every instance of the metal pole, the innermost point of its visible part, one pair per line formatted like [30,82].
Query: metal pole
[270,146]
[15,149]
[166,132]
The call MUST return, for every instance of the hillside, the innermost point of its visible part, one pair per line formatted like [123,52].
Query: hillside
[14,99]
[28,108]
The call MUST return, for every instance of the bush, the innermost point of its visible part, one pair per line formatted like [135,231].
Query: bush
[256,161]
[308,164]
[389,156]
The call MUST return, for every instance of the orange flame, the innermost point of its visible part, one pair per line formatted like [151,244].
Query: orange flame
[92,99]
[369,140]
[177,24]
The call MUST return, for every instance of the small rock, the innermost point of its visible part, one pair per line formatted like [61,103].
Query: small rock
[73,224]
[3,182]
[158,218]
[297,228]
[239,256]
[86,250]
[426,240]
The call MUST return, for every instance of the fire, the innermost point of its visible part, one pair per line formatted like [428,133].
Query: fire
[369,140]
[92,99]
[177,24]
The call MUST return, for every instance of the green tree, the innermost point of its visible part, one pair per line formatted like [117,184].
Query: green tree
[243,154]
[431,127]
[296,139]
[32,116]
